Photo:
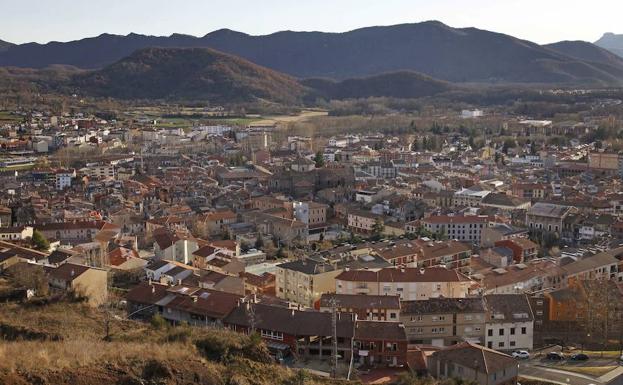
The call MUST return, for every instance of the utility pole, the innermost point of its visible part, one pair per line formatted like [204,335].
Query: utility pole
[333,338]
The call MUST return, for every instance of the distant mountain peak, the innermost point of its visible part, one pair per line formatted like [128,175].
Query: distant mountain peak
[612,42]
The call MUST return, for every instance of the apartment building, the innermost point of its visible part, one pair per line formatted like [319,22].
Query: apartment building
[466,228]
[367,307]
[509,323]
[444,321]
[411,284]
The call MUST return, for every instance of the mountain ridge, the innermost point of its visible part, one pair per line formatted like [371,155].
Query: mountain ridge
[431,48]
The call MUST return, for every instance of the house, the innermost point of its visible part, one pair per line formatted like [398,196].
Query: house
[380,343]
[214,223]
[604,266]
[174,246]
[143,299]
[523,249]
[6,216]
[529,190]
[543,274]
[363,222]
[366,307]
[90,282]
[444,321]
[222,282]
[474,362]
[451,254]
[18,233]
[500,232]
[509,323]
[195,306]
[306,333]
[176,274]
[259,284]
[547,216]
[122,258]
[498,256]
[154,270]
[411,284]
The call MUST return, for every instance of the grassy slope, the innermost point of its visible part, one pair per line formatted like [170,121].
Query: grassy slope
[137,352]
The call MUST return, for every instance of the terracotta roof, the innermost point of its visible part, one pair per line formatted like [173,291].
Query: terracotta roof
[211,303]
[147,293]
[68,271]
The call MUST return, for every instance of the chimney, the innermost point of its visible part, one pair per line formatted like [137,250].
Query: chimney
[153,289]
[179,281]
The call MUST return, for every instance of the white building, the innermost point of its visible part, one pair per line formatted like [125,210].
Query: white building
[469,114]
[510,322]
[63,179]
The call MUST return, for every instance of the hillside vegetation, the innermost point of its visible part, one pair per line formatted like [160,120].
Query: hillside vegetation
[189,73]
[64,343]
[403,84]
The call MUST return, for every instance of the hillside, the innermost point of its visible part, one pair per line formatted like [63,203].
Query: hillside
[589,52]
[63,344]
[432,48]
[189,73]
[611,42]
[403,84]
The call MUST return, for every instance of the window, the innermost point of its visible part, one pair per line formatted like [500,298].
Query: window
[501,332]
[512,343]
[392,315]
[272,335]
[523,330]
[490,332]
[512,331]
[500,344]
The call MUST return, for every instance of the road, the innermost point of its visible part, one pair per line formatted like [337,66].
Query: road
[556,376]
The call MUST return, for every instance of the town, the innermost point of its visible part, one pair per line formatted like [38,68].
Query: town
[468,243]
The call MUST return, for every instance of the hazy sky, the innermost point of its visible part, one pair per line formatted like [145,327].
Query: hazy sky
[542,21]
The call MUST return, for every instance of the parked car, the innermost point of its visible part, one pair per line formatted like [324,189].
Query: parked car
[521,354]
[555,356]
[579,357]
